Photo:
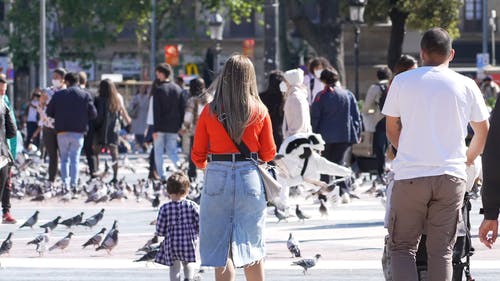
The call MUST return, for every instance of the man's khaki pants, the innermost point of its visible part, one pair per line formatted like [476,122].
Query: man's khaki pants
[431,203]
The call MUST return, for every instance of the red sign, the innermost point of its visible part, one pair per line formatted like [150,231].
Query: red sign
[248,47]
[172,55]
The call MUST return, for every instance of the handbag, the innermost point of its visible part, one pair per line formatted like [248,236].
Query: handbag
[365,147]
[272,187]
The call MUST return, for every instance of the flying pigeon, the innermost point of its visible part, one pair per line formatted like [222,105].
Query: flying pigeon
[96,239]
[300,214]
[307,263]
[6,245]
[323,210]
[63,243]
[51,224]
[110,241]
[73,221]
[31,221]
[293,246]
[93,220]
[41,242]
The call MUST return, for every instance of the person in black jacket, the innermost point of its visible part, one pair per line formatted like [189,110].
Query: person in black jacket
[490,192]
[71,108]
[107,123]
[8,130]
[274,100]
[168,114]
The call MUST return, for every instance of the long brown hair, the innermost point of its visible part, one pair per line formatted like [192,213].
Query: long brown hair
[107,90]
[236,99]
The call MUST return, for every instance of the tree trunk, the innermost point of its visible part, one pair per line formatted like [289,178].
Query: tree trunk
[325,37]
[398,30]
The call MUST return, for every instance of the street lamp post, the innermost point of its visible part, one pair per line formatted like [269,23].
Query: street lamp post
[216,25]
[493,28]
[356,15]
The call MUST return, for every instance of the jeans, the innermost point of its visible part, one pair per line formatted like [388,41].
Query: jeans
[168,142]
[5,188]
[335,152]
[50,141]
[70,145]
[380,146]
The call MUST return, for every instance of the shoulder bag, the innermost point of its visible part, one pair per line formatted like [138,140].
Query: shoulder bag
[271,186]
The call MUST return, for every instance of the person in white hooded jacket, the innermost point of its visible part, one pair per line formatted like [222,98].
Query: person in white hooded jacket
[297,118]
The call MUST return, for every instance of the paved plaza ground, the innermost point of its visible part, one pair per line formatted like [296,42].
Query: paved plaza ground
[350,241]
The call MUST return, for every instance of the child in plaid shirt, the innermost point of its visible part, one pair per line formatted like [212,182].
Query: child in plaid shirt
[178,222]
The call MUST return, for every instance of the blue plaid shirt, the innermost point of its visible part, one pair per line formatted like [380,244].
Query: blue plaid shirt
[178,222]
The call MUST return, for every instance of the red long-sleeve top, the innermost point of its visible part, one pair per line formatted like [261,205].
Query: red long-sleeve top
[211,138]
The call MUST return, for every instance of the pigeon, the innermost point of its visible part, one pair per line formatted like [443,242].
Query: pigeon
[149,256]
[63,243]
[51,224]
[279,214]
[323,210]
[110,241]
[149,244]
[307,263]
[300,214]
[93,220]
[41,242]
[293,246]
[73,221]
[6,245]
[96,239]
[31,221]
[156,201]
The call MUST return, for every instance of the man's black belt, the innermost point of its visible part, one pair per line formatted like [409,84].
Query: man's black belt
[233,157]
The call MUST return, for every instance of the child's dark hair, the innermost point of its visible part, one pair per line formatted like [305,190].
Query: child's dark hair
[178,183]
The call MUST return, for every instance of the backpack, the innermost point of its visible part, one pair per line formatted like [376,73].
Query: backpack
[383,88]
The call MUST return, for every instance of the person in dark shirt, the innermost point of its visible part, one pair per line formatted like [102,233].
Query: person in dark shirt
[71,108]
[168,113]
[490,191]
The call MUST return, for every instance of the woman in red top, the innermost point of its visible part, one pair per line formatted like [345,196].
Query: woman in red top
[233,204]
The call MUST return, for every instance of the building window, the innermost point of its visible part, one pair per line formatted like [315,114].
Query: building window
[473,15]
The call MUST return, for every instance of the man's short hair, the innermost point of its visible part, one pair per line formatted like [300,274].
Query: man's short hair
[384,73]
[82,76]
[3,78]
[436,41]
[164,68]
[71,78]
[61,71]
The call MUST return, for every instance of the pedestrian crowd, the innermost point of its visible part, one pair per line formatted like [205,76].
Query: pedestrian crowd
[417,116]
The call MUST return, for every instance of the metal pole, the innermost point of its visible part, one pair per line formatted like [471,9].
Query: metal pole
[271,53]
[152,55]
[485,27]
[43,50]
[493,28]
[357,31]
[218,50]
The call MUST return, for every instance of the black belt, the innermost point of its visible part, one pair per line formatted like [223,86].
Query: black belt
[233,157]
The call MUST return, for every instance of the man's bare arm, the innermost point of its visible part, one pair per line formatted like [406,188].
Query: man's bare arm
[478,141]
[394,127]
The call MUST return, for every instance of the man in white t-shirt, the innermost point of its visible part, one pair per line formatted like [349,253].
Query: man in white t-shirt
[427,111]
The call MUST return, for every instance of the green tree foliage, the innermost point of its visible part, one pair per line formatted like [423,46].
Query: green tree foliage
[420,15]
[79,28]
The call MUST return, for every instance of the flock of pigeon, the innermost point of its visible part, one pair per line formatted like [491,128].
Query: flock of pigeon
[99,241]
[97,191]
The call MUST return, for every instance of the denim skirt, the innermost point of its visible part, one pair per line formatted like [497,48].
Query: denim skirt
[232,214]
